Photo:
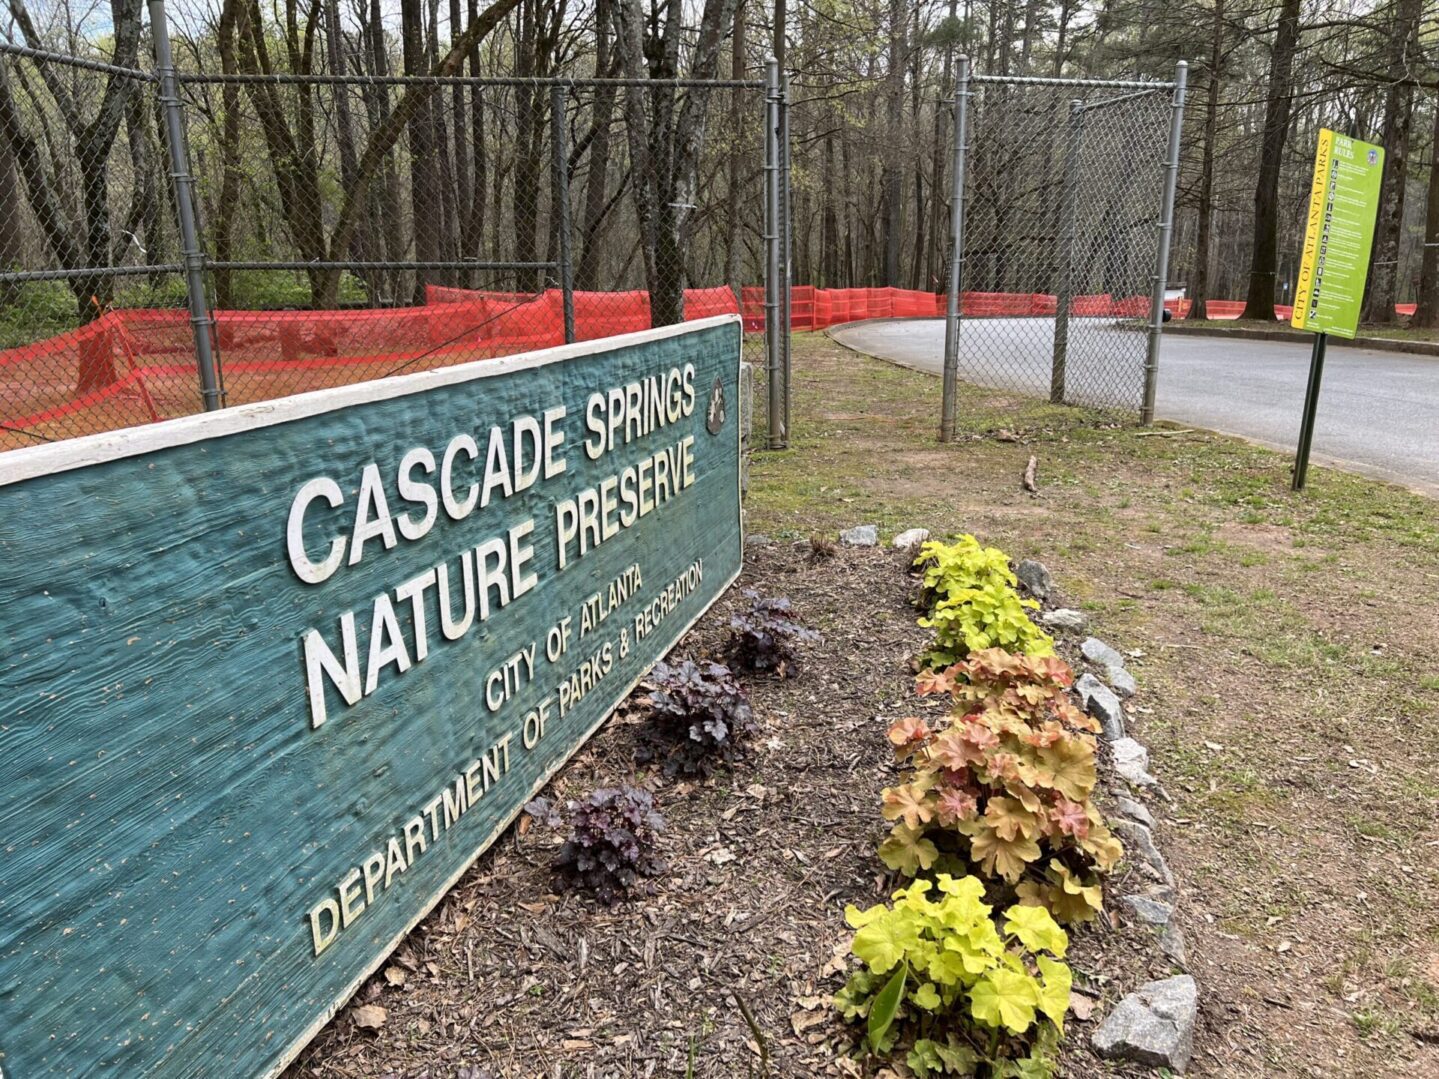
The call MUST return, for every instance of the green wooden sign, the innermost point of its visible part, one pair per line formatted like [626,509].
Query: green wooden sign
[274,676]
[1338,234]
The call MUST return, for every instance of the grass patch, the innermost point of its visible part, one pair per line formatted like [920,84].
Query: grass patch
[1292,631]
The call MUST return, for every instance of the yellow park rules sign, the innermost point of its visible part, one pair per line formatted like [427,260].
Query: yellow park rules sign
[1338,235]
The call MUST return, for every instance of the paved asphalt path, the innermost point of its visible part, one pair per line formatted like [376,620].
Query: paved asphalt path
[1378,411]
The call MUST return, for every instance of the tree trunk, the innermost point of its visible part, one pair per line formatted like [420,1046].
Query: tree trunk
[1263,264]
[472,235]
[665,140]
[424,187]
[1379,294]
[1199,294]
[12,238]
[892,169]
[733,251]
[1427,314]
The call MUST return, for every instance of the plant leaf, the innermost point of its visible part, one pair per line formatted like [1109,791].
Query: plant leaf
[1036,930]
[885,1007]
[1005,998]
[1054,991]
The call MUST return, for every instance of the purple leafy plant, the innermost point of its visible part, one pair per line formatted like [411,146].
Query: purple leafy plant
[764,637]
[611,843]
[705,713]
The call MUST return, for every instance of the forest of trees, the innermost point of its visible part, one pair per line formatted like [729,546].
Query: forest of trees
[666,183]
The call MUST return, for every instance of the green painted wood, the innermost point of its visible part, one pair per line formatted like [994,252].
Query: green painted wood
[169,814]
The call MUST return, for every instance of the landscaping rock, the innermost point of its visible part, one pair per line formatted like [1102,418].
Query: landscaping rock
[1064,618]
[860,536]
[1149,911]
[1122,681]
[1139,846]
[911,538]
[1100,654]
[1171,943]
[1131,761]
[1104,706]
[757,539]
[1035,578]
[1154,1025]
[1134,810]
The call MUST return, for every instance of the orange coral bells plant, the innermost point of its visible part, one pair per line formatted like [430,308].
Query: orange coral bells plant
[1005,786]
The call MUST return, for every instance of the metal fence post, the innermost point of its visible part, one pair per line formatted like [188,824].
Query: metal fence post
[560,163]
[774,355]
[786,226]
[1166,229]
[956,251]
[211,391]
[1064,286]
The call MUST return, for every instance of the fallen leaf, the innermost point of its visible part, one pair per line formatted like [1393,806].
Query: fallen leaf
[462,922]
[1082,1006]
[394,975]
[370,1016]
[802,1021]
[534,908]
[1284,946]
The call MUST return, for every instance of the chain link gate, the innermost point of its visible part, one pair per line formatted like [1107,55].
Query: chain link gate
[234,236]
[1060,251]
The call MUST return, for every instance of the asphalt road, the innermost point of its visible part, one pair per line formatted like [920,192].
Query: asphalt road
[1378,411]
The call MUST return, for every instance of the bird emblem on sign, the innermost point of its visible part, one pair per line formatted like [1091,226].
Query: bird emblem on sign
[717,409]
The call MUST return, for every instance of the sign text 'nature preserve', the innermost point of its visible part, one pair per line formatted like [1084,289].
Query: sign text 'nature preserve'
[274,676]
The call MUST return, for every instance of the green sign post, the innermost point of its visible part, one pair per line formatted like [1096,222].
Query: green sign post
[273,676]
[1338,235]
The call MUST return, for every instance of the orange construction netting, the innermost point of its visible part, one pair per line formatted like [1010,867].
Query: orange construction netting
[136,366]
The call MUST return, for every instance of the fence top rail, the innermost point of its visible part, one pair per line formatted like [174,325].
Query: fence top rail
[394,264]
[1110,84]
[285,78]
[14,49]
[11,277]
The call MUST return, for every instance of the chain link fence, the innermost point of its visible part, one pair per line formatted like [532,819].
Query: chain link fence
[347,227]
[1060,249]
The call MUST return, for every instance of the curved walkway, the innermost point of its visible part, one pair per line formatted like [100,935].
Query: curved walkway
[1378,411]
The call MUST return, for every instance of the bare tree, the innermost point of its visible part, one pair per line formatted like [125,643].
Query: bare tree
[666,130]
[1264,257]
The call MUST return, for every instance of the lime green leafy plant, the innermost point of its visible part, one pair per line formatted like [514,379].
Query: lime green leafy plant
[1004,786]
[942,982]
[969,591]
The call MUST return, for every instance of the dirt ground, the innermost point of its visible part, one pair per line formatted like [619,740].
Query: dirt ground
[1289,694]
[508,978]
[1289,686]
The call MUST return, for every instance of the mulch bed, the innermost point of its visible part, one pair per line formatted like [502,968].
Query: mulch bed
[508,978]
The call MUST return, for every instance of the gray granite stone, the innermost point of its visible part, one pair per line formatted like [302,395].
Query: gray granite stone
[910,538]
[1100,702]
[1154,1025]
[860,536]
[1171,943]
[1139,848]
[1122,681]
[1131,761]
[1135,810]
[1149,911]
[1064,618]
[1100,654]
[1035,578]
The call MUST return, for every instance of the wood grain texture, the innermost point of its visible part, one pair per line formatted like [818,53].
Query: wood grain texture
[168,815]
